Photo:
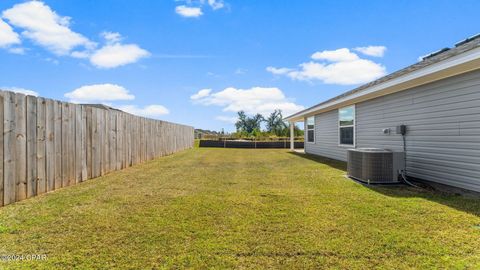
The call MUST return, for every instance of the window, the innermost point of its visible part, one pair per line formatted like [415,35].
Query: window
[346,125]
[311,129]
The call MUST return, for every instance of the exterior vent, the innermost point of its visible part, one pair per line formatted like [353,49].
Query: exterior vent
[435,53]
[375,166]
[467,40]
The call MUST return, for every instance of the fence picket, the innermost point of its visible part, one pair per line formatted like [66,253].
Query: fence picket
[9,143]
[21,147]
[1,149]
[41,146]
[50,144]
[77,134]
[57,111]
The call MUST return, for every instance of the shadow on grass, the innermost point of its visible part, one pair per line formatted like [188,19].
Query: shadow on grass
[336,164]
[468,203]
[465,201]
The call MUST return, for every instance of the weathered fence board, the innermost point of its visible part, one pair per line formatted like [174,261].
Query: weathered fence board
[106,142]
[111,142]
[78,131]
[1,151]
[9,149]
[95,144]
[65,145]
[119,141]
[50,144]
[71,144]
[21,147]
[46,144]
[83,144]
[41,147]
[124,141]
[57,111]
[101,140]
[31,131]
[89,136]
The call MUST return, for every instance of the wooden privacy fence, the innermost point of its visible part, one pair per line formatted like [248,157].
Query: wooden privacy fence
[48,144]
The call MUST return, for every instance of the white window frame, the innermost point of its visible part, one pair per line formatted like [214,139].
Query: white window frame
[354,127]
[307,129]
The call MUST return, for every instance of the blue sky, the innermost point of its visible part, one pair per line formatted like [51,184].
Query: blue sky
[198,62]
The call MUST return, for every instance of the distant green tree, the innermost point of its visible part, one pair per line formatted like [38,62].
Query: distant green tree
[255,122]
[296,131]
[275,124]
[256,133]
[241,123]
[248,124]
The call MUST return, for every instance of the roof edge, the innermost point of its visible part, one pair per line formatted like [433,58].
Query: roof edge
[455,65]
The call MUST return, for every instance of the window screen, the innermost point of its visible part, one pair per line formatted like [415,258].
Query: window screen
[346,125]
[311,129]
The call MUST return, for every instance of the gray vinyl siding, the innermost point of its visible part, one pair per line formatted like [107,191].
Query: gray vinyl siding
[443,139]
[326,137]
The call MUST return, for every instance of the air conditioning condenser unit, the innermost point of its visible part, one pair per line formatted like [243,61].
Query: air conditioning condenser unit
[375,166]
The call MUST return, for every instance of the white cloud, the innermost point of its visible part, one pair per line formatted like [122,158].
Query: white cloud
[48,29]
[99,93]
[228,119]
[212,74]
[334,67]
[241,71]
[340,55]
[344,73]
[377,51]
[193,8]
[216,4]
[253,100]
[111,37]
[80,54]
[106,93]
[278,71]
[16,50]
[148,111]
[45,27]
[201,94]
[190,12]
[20,90]
[8,37]
[115,55]
[53,61]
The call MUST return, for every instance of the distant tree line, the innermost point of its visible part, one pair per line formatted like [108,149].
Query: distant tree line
[205,133]
[251,126]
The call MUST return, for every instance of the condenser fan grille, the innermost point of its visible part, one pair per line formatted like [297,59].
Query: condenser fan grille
[377,167]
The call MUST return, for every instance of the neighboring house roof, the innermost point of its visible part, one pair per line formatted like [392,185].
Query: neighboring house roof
[464,57]
[101,106]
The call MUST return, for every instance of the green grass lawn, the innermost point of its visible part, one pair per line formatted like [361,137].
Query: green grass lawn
[234,208]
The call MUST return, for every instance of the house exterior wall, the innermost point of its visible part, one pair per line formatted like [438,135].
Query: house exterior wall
[326,137]
[443,123]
